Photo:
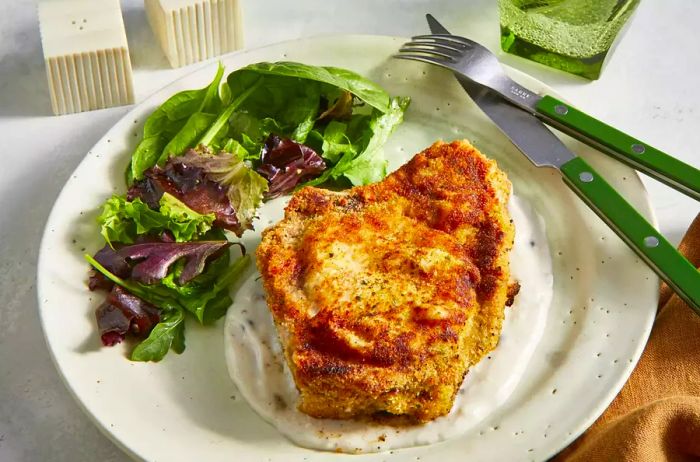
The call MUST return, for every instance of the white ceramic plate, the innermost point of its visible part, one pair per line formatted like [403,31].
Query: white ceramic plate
[186,407]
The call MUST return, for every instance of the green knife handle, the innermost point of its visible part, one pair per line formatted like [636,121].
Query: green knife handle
[640,156]
[646,241]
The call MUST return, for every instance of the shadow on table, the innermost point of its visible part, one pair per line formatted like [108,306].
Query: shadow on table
[144,49]
[23,86]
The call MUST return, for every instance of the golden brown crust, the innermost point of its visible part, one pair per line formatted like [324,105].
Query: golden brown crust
[384,295]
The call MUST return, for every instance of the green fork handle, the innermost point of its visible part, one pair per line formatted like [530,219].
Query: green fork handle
[638,155]
[641,236]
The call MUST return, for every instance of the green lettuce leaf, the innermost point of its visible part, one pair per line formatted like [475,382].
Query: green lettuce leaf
[234,147]
[360,158]
[370,166]
[184,222]
[246,189]
[336,142]
[251,131]
[122,220]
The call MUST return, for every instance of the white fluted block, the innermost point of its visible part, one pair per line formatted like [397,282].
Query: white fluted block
[193,30]
[86,54]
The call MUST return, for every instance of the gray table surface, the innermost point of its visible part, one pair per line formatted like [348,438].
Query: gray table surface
[648,89]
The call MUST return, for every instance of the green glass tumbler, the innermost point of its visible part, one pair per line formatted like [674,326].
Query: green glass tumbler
[572,35]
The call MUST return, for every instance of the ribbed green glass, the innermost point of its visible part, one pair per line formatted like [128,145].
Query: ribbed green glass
[571,35]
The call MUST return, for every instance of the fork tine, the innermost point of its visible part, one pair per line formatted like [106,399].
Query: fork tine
[461,47]
[423,59]
[429,52]
[464,41]
[437,45]
[442,38]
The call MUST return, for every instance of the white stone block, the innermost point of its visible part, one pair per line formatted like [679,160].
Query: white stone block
[193,30]
[86,54]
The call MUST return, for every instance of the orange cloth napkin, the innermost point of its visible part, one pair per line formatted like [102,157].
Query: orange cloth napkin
[656,416]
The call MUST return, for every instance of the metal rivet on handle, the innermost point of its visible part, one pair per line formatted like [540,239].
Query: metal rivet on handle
[638,148]
[561,109]
[586,177]
[651,241]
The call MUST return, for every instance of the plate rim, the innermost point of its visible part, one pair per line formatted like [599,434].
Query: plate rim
[593,414]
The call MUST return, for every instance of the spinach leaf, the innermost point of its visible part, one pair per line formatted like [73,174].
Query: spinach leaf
[291,103]
[225,94]
[212,101]
[146,155]
[361,87]
[187,137]
[301,110]
[182,105]
[223,118]
[168,120]
[210,303]
[169,332]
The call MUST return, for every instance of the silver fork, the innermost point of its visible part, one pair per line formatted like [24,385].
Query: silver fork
[476,63]
[473,60]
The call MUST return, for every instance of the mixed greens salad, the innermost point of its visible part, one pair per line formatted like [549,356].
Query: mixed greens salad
[207,160]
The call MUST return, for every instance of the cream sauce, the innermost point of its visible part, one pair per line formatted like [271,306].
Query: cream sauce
[258,368]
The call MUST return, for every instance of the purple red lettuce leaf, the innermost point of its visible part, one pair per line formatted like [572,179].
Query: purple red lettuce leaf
[191,186]
[221,184]
[286,163]
[244,187]
[117,264]
[154,259]
[123,313]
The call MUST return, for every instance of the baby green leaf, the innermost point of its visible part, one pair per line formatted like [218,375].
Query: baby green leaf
[122,220]
[168,120]
[361,87]
[168,332]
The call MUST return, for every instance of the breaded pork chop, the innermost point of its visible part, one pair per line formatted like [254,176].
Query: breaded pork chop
[384,295]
